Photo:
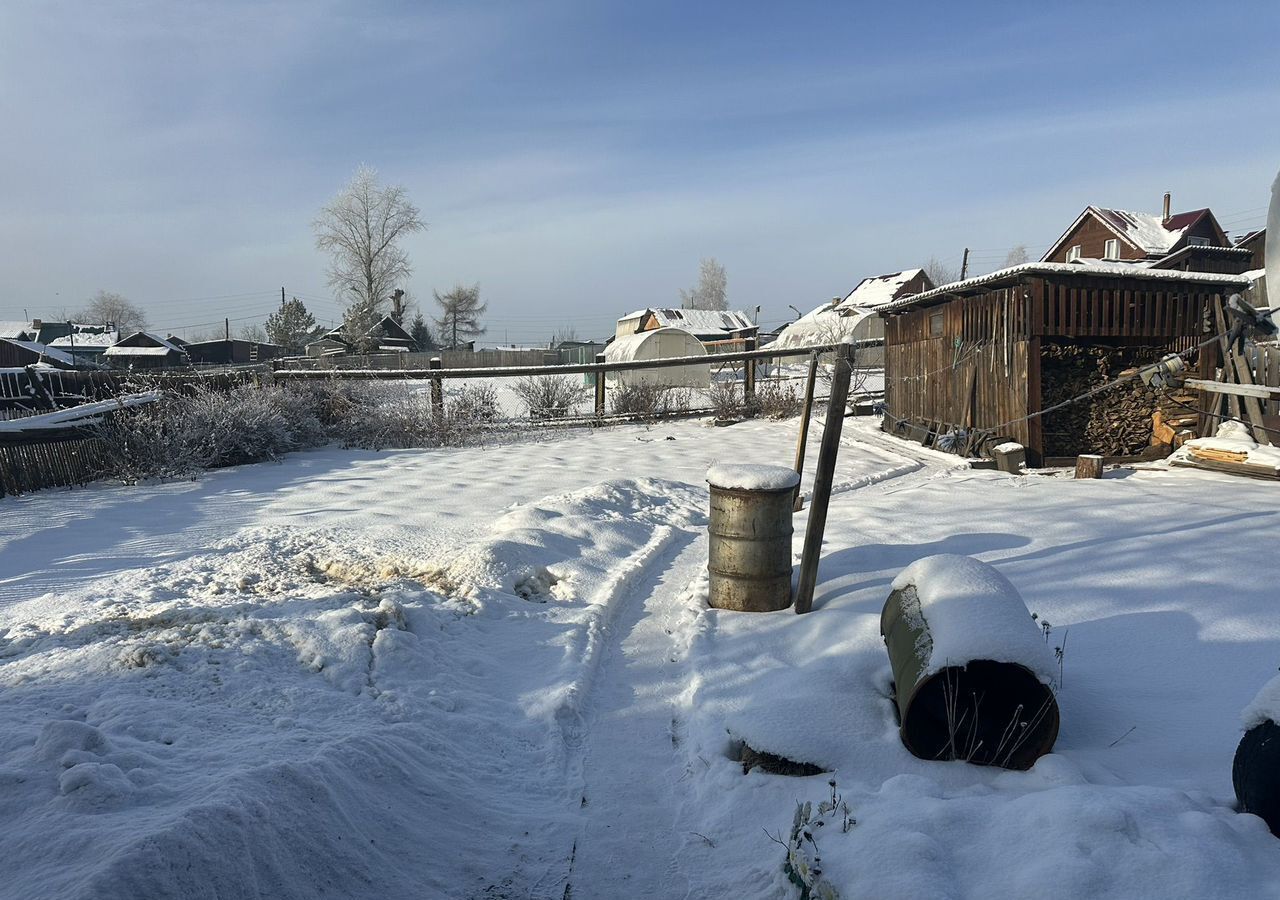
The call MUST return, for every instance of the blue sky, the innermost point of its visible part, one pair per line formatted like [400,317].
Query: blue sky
[577,159]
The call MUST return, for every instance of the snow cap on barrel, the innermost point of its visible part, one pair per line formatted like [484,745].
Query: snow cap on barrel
[737,477]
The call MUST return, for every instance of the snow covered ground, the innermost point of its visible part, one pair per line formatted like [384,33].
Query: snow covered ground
[491,673]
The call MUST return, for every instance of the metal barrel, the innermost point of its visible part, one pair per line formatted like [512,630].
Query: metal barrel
[1255,773]
[749,558]
[977,710]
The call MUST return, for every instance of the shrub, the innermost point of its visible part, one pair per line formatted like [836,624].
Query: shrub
[726,399]
[648,399]
[550,396]
[778,400]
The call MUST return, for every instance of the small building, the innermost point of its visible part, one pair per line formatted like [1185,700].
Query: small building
[1256,243]
[1118,235]
[854,317]
[713,327]
[658,343]
[231,351]
[143,350]
[385,336]
[15,353]
[86,343]
[989,353]
[18,331]
[578,352]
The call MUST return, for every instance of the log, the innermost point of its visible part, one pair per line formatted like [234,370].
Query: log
[1088,465]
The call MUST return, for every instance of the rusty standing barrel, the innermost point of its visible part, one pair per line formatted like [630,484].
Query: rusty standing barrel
[750,530]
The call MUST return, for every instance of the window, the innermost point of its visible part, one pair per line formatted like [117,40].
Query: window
[1112,250]
[1195,241]
[1073,254]
[935,325]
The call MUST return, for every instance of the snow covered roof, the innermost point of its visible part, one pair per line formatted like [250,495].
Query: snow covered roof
[698,321]
[1045,268]
[878,289]
[21,331]
[629,347]
[143,343]
[1149,233]
[87,340]
[47,352]
[827,324]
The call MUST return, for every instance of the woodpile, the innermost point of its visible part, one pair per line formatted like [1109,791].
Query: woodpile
[1118,422]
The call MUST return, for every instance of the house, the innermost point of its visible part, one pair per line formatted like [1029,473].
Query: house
[1256,243]
[713,327]
[18,331]
[16,353]
[231,351]
[385,336]
[1117,235]
[989,353]
[854,317]
[85,343]
[143,350]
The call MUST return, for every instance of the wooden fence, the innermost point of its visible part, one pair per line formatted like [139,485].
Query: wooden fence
[68,456]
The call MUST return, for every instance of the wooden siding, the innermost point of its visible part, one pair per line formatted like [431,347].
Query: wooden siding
[1092,236]
[964,386]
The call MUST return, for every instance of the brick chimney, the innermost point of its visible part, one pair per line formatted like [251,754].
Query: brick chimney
[1167,199]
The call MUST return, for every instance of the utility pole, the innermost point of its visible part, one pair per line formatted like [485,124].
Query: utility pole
[226,329]
[282,298]
[964,266]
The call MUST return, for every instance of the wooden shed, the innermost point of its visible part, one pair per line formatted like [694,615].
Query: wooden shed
[983,355]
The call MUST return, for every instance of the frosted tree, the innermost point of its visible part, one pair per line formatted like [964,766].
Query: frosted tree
[291,325]
[110,307]
[1017,256]
[712,288]
[361,230]
[939,272]
[421,333]
[460,313]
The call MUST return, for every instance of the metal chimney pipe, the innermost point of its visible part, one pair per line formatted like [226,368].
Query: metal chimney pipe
[1167,198]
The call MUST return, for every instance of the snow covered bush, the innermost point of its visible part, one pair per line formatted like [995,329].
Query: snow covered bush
[381,415]
[776,400]
[206,428]
[550,396]
[726,399]
[649,400]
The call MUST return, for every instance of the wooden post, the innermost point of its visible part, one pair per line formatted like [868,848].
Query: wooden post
[823,478]
[749,376]
[803,440]
[1088,465]
[437,388]
[964,266]
[599,373]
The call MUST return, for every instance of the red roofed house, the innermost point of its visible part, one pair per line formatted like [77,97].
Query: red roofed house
[1117,234]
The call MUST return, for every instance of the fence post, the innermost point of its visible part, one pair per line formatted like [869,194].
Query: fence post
[437,388]
[823,478]
[599,387]
[749,376]
[804,426]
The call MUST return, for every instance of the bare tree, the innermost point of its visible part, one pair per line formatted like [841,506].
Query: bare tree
[361,230]
[110,307]
[459,319]
[939,272]
[252,333]
[712,289]
[568,333]
[1017,256]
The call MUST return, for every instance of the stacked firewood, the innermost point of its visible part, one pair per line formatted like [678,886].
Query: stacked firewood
[1117,422]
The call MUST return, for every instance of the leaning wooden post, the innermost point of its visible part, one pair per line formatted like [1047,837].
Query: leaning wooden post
[599,373]
[749,376]
[803,441]
[823,478]
[437,388]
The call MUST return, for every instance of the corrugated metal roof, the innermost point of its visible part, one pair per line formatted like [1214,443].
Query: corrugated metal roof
[1043,268]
